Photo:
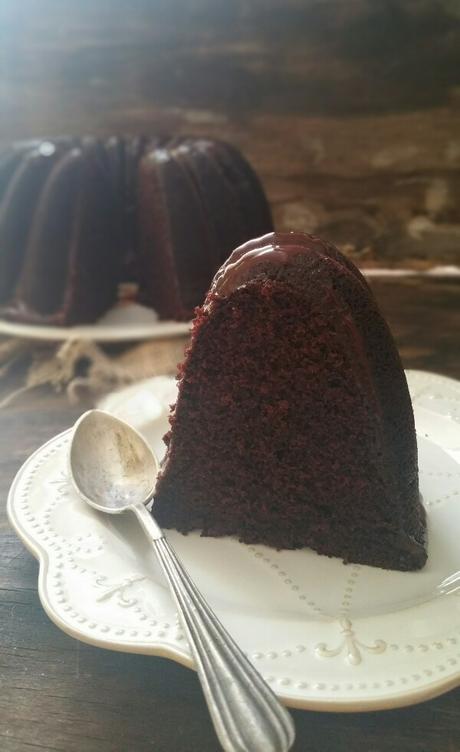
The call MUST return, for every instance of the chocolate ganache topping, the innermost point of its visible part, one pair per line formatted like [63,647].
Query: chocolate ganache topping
[273,248]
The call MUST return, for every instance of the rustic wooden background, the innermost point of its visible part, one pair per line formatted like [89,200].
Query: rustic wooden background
[349,110]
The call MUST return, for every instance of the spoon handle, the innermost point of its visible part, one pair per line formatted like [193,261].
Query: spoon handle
[246,714]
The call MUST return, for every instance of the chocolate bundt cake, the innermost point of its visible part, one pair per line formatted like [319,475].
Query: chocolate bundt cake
[293,425]
[80,216]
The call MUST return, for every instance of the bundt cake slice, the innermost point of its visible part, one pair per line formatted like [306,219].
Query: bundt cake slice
[293,425]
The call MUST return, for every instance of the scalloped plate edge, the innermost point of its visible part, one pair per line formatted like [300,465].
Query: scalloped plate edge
[389,701]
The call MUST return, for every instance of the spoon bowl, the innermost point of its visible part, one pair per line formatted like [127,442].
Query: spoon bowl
[111,465]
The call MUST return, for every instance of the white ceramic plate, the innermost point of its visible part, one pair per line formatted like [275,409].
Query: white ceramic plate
[123,323]
[326,636]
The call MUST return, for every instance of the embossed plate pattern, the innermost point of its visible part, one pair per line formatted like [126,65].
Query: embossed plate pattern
[325,635]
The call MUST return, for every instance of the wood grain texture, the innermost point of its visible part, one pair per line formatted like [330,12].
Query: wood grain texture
[59,695]
[349,111]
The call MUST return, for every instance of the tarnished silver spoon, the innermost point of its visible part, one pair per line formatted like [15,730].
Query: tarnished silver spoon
[113,469]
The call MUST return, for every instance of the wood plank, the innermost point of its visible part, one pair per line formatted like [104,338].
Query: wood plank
[324,57]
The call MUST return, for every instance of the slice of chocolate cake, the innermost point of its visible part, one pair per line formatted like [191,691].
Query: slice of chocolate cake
[293,425]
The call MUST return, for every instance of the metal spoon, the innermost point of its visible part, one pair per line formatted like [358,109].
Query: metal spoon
[113,469]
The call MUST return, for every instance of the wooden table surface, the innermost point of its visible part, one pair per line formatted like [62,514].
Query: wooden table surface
[60,695]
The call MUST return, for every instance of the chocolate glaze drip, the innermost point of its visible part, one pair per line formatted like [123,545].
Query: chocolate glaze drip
[273,248]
